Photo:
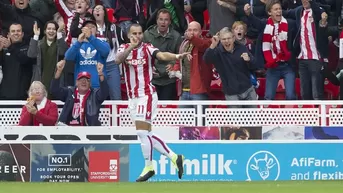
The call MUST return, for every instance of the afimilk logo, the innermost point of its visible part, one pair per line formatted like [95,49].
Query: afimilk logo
[209,164]
[263,165]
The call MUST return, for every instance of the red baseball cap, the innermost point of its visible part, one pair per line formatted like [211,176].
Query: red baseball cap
[83,75]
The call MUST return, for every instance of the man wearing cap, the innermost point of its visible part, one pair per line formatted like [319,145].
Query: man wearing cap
[87,52]
[81,103]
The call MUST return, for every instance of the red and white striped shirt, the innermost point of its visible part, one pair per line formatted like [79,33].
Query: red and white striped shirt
[138,70]
[67,16]
[308,45]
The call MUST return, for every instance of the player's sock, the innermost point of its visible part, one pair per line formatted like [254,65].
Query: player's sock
[160,146]
[147,146]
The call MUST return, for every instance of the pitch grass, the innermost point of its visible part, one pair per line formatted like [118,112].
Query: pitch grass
[177,187]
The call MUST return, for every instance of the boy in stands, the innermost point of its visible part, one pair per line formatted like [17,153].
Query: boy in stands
[138,58]
[239,29]
[80,8]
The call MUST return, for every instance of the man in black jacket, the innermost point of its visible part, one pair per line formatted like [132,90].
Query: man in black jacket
[20,13]
[81,103]
[233,63]
[16,65]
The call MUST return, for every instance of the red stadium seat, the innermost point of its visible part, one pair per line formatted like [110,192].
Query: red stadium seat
[110,15]
[331,91]
[299,106]
[206,33]
[297,88]
[206,20]
[123,89]
[272,106]
[260,91]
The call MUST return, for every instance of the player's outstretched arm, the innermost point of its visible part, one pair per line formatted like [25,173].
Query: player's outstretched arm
[167,56]
[123,54]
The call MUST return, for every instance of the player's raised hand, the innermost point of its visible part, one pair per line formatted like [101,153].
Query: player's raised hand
[133,41]
[247,9]
[60,65]
[99,68]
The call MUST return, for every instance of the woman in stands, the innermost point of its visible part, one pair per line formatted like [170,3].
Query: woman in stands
[112,34]
[38,111]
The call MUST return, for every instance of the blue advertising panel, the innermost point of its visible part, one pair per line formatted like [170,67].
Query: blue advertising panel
[324,133]
[246,162]
[79,162]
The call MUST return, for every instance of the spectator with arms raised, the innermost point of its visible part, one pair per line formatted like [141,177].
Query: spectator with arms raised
[233,62]
[276,44]
[22,14]
[81,103]
[88,51]
[77,15]
[311,47]
[16,65]
[48,51]
[194,72]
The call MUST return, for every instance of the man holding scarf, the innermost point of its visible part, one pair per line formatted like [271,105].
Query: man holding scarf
[275,47]
[77,100]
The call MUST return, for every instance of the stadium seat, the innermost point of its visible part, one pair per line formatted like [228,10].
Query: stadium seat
[206,20]
[206,33]
[271,106]
[123,89]
[110,15]
[260,91]
[331,91]
[297,88]
[298,106]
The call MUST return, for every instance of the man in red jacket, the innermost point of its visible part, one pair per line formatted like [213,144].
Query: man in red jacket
[195,74]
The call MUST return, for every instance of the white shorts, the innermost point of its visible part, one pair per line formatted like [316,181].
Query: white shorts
[143,108]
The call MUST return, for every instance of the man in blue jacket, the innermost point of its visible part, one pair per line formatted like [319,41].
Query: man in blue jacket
[81,103]
[87,52]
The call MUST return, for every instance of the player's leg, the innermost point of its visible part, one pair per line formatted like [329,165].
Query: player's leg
[138,112]
[158,142]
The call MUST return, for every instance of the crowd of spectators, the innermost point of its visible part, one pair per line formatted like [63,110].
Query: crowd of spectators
[37,34]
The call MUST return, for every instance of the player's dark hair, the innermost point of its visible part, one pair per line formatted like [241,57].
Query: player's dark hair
[134,25]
